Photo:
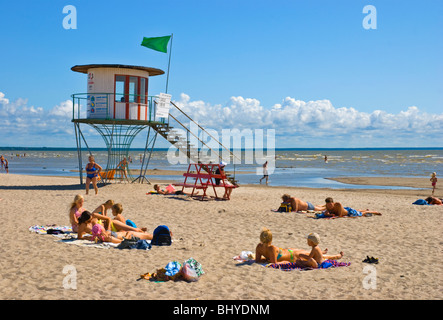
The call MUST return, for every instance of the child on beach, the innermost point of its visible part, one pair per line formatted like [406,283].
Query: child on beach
[433,181]
[104,207]
[117,210]
[316,259]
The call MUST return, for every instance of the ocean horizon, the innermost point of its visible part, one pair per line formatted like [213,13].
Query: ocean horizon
[294,167]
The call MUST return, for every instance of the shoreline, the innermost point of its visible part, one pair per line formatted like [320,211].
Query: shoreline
[421,187]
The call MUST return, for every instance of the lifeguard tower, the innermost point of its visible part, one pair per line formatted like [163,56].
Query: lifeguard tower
[118,106]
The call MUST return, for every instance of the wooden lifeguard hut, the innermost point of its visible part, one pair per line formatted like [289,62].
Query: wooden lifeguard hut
[118,106]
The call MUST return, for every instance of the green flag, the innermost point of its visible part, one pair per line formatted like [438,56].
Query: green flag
[157,43]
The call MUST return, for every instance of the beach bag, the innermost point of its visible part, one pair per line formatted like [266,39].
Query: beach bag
[161,236]
[191,270]
[285,207]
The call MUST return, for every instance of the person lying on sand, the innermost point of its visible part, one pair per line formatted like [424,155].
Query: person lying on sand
[266,252]
[316,257]
[299,205]
[89,228]
[434,200]
[336,209]
[175,192]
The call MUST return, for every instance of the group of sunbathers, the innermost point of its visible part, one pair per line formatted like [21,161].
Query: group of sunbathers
[329,209]
[98,226]
[316,258]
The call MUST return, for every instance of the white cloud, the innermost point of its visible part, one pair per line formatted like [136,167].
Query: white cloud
[297,123]
[25,125]
[319,123]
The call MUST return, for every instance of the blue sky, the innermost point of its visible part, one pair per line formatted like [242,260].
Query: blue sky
[307,69]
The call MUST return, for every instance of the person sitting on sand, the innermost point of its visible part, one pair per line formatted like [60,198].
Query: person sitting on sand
[336,209]
[221,171]
[117,210]
[316,257]
[75,211]
[434,200]
[273,254]
[119,223]
[299,205]
[87,230]
[104,207]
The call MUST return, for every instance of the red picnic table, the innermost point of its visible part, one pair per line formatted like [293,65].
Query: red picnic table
[204,177]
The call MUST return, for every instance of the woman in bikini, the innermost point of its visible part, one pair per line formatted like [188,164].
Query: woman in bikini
[75,211]
[266,252]
[92,171]
[90,228]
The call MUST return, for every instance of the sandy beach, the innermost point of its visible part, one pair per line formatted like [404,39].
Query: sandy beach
[406,239]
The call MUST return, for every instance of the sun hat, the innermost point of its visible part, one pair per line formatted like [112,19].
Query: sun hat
[222,164]
[314,237]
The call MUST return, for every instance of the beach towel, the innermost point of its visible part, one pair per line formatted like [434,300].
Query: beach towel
[88,243]
[52,228]
[421,202]
[292,266]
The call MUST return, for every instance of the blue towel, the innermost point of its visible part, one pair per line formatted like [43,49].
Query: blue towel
[421,202]
[130,223]
[172,268]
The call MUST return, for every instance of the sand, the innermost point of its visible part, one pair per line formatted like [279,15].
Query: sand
[406,239]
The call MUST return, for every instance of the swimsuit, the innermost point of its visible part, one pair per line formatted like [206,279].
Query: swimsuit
[353,212]
[325,264]
[91,175]
[310,206]
[77,214]
[113,228]
[290,252]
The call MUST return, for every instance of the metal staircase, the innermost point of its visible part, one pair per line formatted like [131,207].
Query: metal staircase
[183,142]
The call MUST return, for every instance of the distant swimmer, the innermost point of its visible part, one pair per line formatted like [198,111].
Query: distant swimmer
[326,159]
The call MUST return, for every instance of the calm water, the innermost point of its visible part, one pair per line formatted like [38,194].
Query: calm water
[294,167]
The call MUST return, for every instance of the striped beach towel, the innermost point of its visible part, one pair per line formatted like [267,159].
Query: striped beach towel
[292,266]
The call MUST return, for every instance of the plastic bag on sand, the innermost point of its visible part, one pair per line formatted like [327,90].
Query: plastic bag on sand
[192,270]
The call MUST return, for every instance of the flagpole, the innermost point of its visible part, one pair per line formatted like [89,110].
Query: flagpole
[169,63]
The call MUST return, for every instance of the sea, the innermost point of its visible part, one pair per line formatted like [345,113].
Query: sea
[293,167]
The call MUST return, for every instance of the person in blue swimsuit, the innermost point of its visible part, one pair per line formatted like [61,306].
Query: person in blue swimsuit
[92,171]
